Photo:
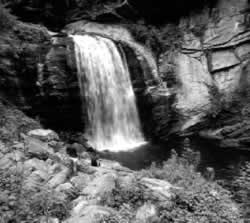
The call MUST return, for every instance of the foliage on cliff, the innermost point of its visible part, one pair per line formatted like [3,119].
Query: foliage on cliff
[167,38]
[7,20]
[57,13]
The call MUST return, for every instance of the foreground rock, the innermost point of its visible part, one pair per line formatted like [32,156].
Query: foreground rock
[86,189]
[44,134]
[78,182]
[91,214]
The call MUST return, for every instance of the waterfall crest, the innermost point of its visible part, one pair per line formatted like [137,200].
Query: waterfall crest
[105,86]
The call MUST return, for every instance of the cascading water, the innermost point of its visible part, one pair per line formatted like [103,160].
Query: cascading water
[105,86]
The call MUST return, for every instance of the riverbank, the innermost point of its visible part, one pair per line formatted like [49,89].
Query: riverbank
[40,180]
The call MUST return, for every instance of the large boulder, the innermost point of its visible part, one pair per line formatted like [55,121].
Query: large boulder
[36,148]
[59,178]
[43,134]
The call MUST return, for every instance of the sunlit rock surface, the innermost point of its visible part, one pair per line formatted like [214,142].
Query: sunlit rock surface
[212,65]
[118,34]
[210,71]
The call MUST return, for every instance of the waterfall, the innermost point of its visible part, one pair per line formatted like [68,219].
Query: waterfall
[106,90]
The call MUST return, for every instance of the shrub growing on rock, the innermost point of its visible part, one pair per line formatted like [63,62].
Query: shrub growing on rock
[164,39]
[132,196]
[199,200]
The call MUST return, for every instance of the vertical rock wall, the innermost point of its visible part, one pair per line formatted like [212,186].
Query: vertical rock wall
[212,68]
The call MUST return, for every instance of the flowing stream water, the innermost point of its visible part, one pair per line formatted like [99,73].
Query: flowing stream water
[106,91]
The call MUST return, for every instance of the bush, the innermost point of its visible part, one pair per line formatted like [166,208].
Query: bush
[164,39]
[7,20]
[125,215]
[178,170]
[204,202]
[198,200]
[132,196]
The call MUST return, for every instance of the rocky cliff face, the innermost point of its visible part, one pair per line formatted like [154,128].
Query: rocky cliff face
[22,48]
[212,68]
[203,84]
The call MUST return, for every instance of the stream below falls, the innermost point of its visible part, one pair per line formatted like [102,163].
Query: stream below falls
[230,165]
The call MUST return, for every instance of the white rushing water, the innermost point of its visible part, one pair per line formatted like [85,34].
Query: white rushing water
[106,89]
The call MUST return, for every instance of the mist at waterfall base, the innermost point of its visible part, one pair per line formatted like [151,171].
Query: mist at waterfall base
[107,94]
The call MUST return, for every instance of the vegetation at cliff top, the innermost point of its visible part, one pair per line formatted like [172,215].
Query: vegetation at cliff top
[162,39]
[7,20]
